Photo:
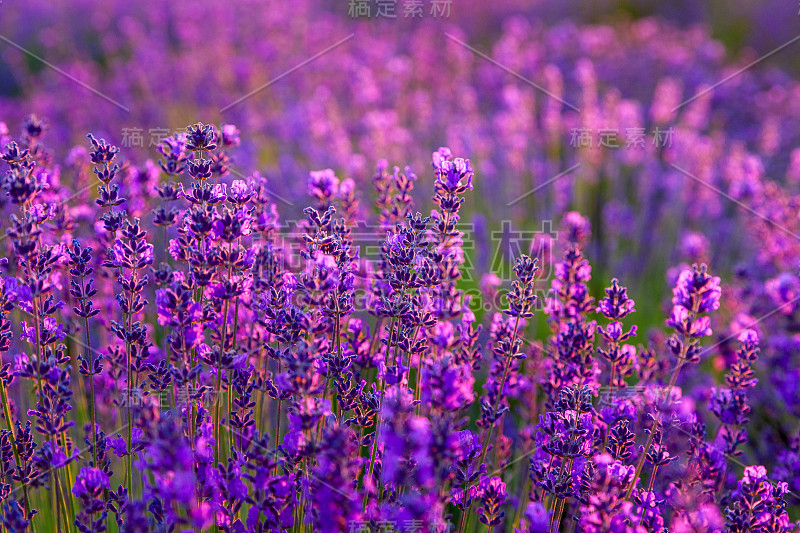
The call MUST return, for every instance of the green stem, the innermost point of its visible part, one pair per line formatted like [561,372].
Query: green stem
[378,414]
[656,424]
[70,482]
[10,426]
[91,390]
[230,410]
[523,500]
[278,419]
[488,431]
[222,334]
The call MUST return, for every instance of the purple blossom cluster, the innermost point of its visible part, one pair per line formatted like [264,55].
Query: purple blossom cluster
[723,191]
[175,358]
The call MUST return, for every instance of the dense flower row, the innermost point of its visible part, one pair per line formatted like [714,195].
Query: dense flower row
[722,190]
[175,360]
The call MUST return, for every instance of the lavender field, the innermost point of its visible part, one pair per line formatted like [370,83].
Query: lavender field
[418,266]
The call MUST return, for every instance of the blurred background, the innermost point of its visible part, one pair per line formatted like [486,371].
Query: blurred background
[602,107]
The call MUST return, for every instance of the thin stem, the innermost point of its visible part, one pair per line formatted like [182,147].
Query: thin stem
[652,479]
[230,410]
[69,513]
[91,389]
[222,336]
[127,321]
[278,416]
[496,406]
[219,378]
[378,414]
[560,503]
[260,413]
[54,498]
[523,500]
[611,399]
[656,423]
[70,482]
[10,426]
[566,469]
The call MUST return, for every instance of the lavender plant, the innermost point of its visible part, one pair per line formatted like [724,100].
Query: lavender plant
[272,378]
